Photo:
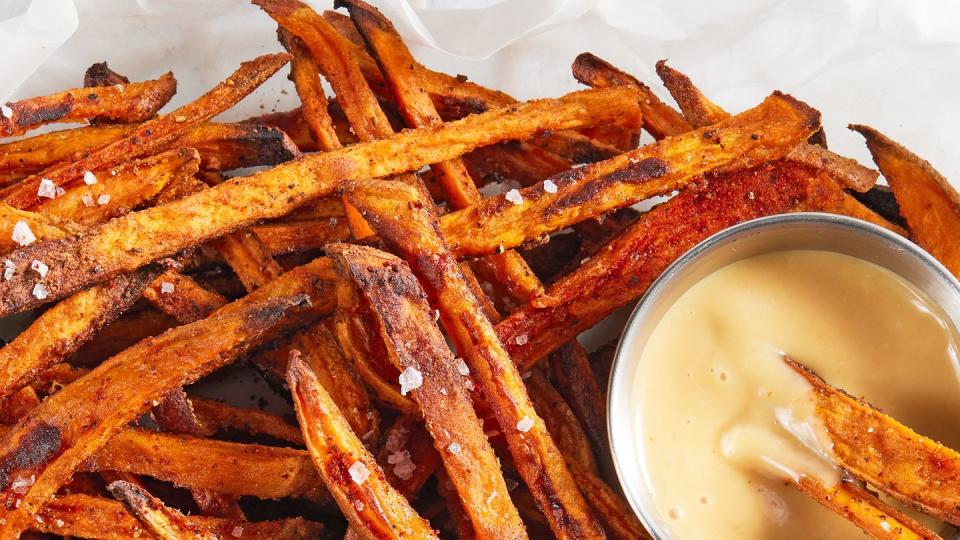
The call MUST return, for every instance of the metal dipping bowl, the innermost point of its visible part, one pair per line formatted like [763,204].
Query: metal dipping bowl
[800,231]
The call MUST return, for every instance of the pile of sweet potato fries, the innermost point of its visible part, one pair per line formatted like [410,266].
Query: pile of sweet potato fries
[425,333]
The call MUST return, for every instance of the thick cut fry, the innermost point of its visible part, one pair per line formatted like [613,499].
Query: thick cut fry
[134,102]
[157,133]
[43,227]
[266,472]
[873,516]
[626,266]
[613,511]
[570,372]
[403,73]
[221,147]
[60,330]
[58,436]
[408,327]
[218,417]
[659,119]
[388,204]
[563,426]
[351,474]
[140,237]
[696,107]
[701,112]
[85,516]
[121,189]
[930,205]
[164,522]
[763,133]
[300,236]
[885,453]
[187,302]
[523,163]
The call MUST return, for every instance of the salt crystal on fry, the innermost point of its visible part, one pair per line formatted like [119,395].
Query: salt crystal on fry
[549,186]
[358,472]
[410,379]
[47,188]
[514,196]
[525,424]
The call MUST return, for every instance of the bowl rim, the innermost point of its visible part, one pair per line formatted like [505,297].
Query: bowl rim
[719,238]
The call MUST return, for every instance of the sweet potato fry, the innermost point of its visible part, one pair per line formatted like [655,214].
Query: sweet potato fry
[659,119]
[385,205]
[881,200]
[614,513]
[281,238]
[930,205]
[100,74]
[408,435]
[85,516]
[626,266]
[60,330]
[157,133]
[221,147]
[290,122]
[696,107]
[563,426]
[267,472]
[404,74]
[133,240]
[163,521]
[121,189]
[249,258]
[873,516]
[43,227]
[570,373]
[305,74]
[755,136]
[351,474]
[187,302]
[417,348]
[134,102]
[523,163]
[57,434]
[218,417]
[885,453]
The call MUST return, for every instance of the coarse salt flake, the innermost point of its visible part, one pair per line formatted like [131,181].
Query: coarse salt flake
[166,287]
[21,484]
[358,504]
[9,269]
[462,367]
[40,291]
[237,532]
[87,199]
[525,424]
[410,379]
[522,339]
[549,186]
[358,472]
[514,196]
[39,267]
[403,466]
[58,523]
[103,199]
[6,111]
[89,178]
[47,188]
[469,384]
[454,448]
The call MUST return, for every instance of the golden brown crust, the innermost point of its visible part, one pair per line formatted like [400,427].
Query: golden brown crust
[614,512]
[930,205]
[133,102]
[219,417]
[370,503]
[408,327]
[563,426]
[407,225]
[696,107]
[887,454]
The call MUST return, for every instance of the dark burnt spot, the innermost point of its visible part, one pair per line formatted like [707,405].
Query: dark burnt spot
[711,135]
[31,117]
[37,447]
[640,171]
[92,98]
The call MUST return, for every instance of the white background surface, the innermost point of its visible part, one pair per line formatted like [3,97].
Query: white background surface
[891,64]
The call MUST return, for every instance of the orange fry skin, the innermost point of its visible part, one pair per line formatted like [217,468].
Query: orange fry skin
[387,205]
[140,237]
[885,453]
[371,505]
[409,329]
[133,102]
[156,133]
[163,521]
[930,205]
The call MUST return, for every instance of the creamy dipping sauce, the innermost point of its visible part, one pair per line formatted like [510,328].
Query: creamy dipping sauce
[723,423]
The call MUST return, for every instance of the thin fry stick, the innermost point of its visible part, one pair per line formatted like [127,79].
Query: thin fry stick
[561,423]
[58,434]
[164,522]
[155,134]
[351,474]
[133,240]
[885,453]
[305,74]
[416,346]
[696,107]
[617,517]
[218,416]
[386,205]
[134,102]
[300,236]
[930,205]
